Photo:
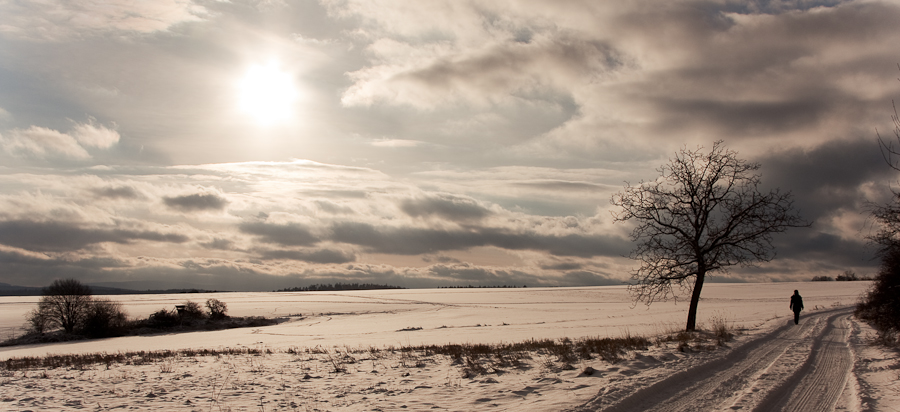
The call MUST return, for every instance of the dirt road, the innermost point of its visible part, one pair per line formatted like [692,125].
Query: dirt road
[802,367]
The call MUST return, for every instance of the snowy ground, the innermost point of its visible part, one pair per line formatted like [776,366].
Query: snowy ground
[772,365]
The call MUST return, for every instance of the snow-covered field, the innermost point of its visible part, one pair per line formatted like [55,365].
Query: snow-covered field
[297,368]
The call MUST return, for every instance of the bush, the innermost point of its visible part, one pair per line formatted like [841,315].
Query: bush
[105,318]
[217,308]
[822,279]
[847,276]
[880,307]
[163,319]
[38,321]
[192,311]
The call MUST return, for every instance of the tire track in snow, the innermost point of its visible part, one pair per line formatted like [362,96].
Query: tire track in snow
[792,368]
[818,384]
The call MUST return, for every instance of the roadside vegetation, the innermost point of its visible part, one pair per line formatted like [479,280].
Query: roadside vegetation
[68,311]
[880,307]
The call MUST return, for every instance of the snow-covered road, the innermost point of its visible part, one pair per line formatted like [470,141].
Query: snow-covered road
[803,367]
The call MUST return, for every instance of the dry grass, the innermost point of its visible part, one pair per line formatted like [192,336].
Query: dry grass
[474,358]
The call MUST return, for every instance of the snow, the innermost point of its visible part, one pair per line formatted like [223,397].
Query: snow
[298,372]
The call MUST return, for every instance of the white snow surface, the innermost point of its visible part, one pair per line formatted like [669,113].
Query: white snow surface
[825,363]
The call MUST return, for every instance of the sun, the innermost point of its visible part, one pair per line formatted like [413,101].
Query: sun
[268,94]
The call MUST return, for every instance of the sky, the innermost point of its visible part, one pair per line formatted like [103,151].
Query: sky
[259,145]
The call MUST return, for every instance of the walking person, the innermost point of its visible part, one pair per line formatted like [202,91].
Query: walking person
[796,306]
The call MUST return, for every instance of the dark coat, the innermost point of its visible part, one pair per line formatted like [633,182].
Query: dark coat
[796,303]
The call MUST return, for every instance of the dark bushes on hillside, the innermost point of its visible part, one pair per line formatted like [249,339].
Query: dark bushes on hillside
[103,318]
[880,307]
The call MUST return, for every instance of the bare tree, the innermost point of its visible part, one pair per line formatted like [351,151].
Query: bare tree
[703,214]
[888,215]
[881,304]
[65,303]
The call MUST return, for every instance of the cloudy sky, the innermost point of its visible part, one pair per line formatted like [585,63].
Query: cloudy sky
[255,145]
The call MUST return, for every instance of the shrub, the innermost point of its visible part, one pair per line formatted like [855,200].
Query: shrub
[162,319]
[192,311]
[880,307]
[217,308]
[38,321]
[105,318]
[847,276]
[822,279]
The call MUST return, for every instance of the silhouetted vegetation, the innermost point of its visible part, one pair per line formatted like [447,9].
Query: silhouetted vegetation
[704,213]
[65,304]
[880,307]
[103,318]
[338,286]
[847,276]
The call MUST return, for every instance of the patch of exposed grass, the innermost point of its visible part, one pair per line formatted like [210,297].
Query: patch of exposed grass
[475,359]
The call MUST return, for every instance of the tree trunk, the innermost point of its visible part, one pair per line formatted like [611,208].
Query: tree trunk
[695,300]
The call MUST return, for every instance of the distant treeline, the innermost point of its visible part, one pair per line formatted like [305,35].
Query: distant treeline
[339,286]
[14,290]
[847,276]
[482,287]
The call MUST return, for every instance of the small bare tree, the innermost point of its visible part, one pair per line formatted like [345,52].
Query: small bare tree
[64,304]
[704,214]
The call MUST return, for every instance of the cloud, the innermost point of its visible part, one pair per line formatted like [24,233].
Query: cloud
[93,135]
[396,143]
[585,278]
[827,178]
[414,241]
[61,20]
[322,256]
[221,244]
[289,234]
[63,236]
[453,208]
[117,192]
[43,143]
[196,202]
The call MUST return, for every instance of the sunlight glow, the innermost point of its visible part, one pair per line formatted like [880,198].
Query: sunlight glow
[268,94]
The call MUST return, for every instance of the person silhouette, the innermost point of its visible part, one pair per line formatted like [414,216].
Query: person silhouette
[796,306]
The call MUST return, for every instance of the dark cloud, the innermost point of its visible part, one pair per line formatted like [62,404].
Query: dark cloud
[815,246]
[117,192]
[323,256]
[561,186]
[61,236]
[414,241]
[291,234]
[561,266]
[452,208]
[746,117]
[586,278]
[220,244]
[196,202]
[440,259]
[774,6]
[827,178]
[465,274]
